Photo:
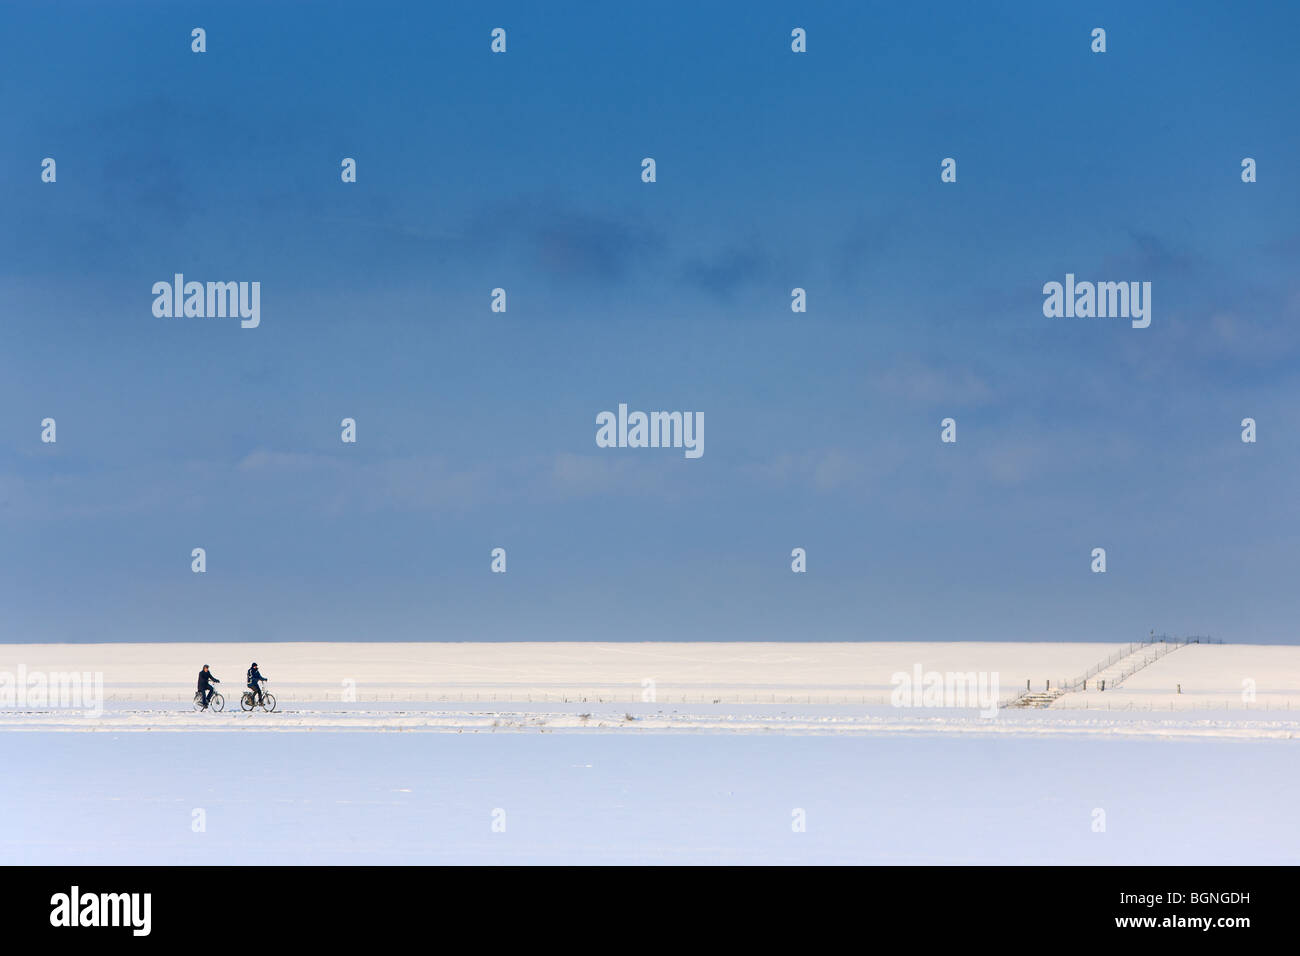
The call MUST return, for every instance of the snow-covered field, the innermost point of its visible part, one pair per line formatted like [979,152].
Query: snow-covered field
[552,671]
[1211,675]
[383,753]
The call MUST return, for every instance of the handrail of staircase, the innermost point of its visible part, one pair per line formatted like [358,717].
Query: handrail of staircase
[1169,645]
[1152,639]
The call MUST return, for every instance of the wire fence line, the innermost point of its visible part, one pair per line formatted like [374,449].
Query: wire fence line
[1160,645]
[336,697]
[869,700]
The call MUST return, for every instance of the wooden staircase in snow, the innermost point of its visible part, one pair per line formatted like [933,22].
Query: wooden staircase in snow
[1110,673]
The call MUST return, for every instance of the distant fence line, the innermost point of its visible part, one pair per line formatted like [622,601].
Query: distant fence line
[876,700]
[635,697]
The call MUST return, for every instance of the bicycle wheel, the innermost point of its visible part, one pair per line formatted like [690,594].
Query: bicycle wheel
[217,703]
[268,701]
[246,702]
[198,700]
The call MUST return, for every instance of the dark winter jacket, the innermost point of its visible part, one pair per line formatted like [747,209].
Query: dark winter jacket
[206,678]
[254,675]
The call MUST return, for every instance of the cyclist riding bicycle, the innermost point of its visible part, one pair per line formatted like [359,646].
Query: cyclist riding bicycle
[206,680]
[254,682]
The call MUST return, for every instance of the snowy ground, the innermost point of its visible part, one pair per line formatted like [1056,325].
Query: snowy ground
[628,719]
[560,748]
[645,798]
[552,671]
[1211,676]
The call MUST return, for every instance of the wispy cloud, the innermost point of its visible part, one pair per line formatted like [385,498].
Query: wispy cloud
[725,273]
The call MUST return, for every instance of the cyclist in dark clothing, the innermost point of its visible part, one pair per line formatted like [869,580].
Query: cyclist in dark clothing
[254,682]
[206,680]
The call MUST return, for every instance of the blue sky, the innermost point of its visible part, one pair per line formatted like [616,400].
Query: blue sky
[775,170]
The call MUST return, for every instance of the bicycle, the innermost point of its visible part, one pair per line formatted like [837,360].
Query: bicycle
[216,702]
[248,701]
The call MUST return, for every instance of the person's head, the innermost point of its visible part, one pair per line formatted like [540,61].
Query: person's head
[254,663]
[205,666]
